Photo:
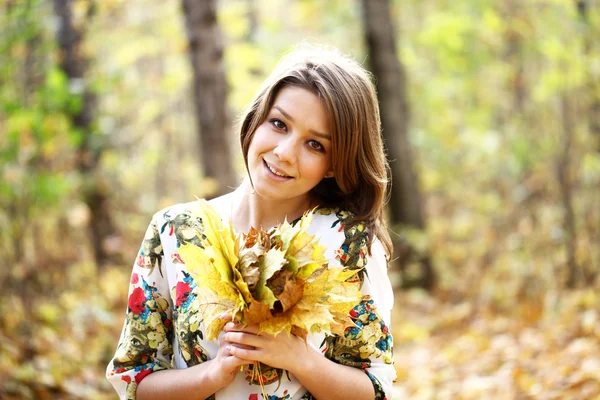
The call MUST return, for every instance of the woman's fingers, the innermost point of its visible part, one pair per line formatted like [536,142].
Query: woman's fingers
[232,326]
[248,340]
[243,346]
[226,316]
[234,362]
[224,343]
[248,356]
[229,361]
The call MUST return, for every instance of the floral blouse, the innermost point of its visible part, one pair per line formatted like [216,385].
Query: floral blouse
[163,328]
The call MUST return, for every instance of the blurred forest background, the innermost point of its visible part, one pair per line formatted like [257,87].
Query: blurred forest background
[110,110]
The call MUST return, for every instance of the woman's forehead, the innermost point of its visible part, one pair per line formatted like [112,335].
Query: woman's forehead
[300,105]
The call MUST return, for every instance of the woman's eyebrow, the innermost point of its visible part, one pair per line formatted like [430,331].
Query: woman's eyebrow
[288,116]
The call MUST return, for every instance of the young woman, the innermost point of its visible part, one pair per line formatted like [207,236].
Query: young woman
[310,138]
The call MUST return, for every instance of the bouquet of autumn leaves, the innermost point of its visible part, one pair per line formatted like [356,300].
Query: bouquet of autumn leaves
[278,279]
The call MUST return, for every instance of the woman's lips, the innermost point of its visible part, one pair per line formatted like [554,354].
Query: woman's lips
[275,172]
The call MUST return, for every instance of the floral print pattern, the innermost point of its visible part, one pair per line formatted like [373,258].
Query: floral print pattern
[147,331]
[369,338]
[256,396]
[163,328]
[151,251]
[353,252]
[187,321]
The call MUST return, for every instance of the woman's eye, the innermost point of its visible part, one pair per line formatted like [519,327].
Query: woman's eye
[313,144]
[278,124]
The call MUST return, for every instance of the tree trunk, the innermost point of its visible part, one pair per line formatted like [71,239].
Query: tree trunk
[210,91]
[583,8]
[511,11]
[563,173]
[252,16]
[405,203]
[74,65]
[591,98]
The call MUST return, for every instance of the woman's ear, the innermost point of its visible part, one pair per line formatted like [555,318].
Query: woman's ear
[329,174]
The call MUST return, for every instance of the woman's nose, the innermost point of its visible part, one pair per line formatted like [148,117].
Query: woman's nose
[286,149]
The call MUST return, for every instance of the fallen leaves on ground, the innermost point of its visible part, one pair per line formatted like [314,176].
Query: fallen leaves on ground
[59,346]
[459,350]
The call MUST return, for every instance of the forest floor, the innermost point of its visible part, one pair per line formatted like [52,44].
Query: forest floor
[57,345]
[448,349]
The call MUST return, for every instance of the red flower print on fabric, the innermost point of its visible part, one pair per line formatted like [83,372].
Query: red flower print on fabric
[135,278]
[253,396]
[182,292]
[142,375]
[136,301]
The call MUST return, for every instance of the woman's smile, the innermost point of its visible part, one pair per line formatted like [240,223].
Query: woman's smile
[276,172]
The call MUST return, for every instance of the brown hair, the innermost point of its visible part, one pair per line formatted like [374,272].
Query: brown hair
[360,184]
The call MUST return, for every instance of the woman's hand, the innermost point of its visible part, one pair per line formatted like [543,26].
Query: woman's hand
[200,381]
[282,351]
[226,364]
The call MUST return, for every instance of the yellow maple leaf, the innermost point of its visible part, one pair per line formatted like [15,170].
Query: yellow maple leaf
[272,261]
[274,325]
[330,289]
[222,241]
[219,295]
[230,243]
[324,307]
[300,242]
[286,232]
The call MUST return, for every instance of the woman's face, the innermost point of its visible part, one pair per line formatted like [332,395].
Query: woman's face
[290,152]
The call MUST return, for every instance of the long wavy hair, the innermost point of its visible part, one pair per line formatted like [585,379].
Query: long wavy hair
[361,171]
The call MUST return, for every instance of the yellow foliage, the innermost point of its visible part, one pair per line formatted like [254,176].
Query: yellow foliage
[220,295]
[277,279]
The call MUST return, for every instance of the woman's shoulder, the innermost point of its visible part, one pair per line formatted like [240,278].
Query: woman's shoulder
[347,237]
[184,211]
[348,243]
[340,221]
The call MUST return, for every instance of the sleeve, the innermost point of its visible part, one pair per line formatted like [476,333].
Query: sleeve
[367,345]
[373,321]
[145,343]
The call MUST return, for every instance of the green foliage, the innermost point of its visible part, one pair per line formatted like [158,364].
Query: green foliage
[486,81]
[37,138]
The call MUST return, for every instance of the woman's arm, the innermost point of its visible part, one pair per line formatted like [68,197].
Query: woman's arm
[198,382]
[333,381]
[145,344]
[142,364]
[189,383]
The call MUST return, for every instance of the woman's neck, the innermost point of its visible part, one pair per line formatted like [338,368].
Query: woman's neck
[249,209]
